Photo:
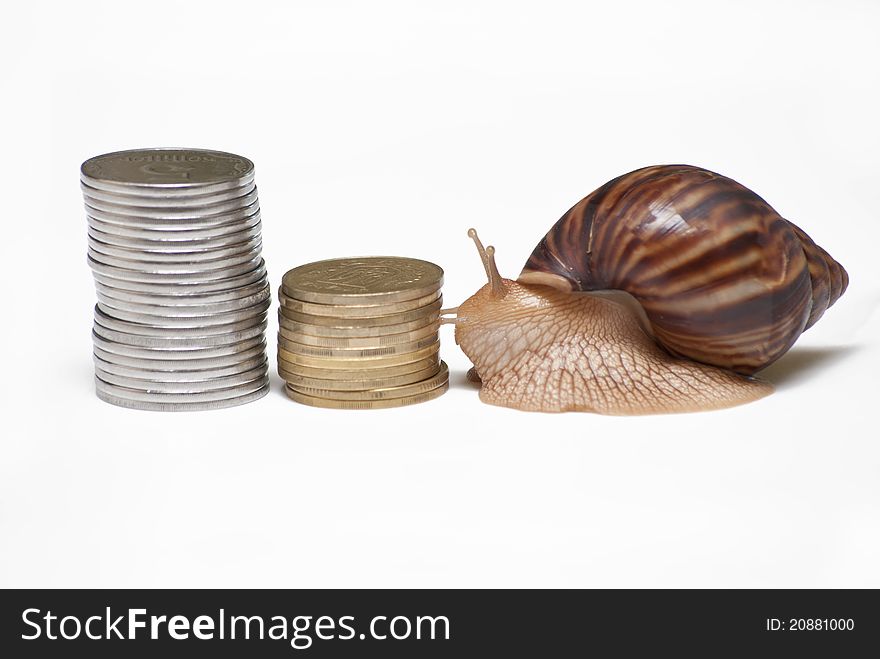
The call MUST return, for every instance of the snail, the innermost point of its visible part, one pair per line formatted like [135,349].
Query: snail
[665,290]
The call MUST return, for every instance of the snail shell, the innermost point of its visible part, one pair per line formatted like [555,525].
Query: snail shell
[723,279]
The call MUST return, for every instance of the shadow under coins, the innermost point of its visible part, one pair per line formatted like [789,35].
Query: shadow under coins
[801,364]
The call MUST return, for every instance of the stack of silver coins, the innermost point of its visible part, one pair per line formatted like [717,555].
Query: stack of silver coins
[175,249]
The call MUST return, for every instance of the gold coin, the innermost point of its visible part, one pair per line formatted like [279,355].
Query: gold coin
[359,362]
[428,310]
[360,374]
[356,353]
[300,381]
[378,393]
[366,404]
[355,310]
[379,279]
[431,320]
[359,342]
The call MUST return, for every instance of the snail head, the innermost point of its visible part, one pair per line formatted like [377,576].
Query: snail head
[500,309]
[494,291]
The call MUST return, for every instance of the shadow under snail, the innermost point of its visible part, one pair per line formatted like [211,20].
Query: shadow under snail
[665,290]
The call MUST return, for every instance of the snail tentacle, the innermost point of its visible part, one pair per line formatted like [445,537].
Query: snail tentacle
[487,256]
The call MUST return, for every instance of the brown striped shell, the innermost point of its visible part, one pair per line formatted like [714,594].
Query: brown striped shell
[722,277]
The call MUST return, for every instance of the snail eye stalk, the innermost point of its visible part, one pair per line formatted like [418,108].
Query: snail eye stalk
[487,256]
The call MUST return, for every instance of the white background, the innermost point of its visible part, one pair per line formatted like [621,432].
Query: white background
[390,128]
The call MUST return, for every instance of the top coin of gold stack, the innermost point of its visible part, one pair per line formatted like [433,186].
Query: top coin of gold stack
[362,333]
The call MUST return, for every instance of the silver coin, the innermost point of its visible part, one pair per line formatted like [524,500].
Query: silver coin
[173,322]
[183,299]
[187,329]
[163,344]
[172,212]
[183,386]
[205,217]
[174,353]
[174,341]
[152,192]
[180,221]
[185,288]
[179,375]
[107,396]
[192,229]
[159,192]
[131,394]
[175,267]
[198,255]
[179,310]
[172,241]
[258,352]
[183,311]
[120,232]
[158,327]
[197,277]
[166,201]
[167,169]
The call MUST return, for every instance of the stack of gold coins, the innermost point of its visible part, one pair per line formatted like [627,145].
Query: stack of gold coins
[362,333]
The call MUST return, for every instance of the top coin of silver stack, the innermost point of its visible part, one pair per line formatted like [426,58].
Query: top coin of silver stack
[174,243]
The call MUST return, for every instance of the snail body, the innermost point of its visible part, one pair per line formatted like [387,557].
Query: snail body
[710,285]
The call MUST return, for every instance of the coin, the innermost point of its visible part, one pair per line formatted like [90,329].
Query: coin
[180,397]
[154,363]
[123,397]
[379,279]
[329,384]
[167,242]
[184,254]
[358,362]
[431,320]
[206,214]
[356,311]
[184,309]
[185,288]
[356,374]
[210,268]
[168,320]
[192,227]
[188,386]
[378,393]
[178,375]
[430,310]
[202,200]
[165,169]
[352,353]
[184,298]
[107,321]
[171,352]
[194,277]
[172,341]
[366,404]
[358,342]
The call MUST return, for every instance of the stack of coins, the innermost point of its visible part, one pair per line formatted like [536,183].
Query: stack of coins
[174,245]
[362,333]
